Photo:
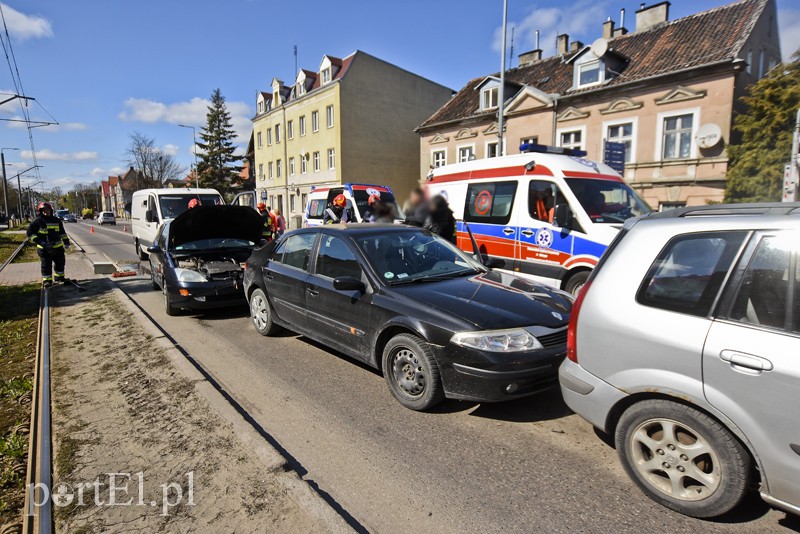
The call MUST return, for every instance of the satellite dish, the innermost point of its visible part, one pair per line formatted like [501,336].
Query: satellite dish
[708,136]
[600,47]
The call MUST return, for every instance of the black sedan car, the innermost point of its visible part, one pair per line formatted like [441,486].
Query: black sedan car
[433,320]
[197,259]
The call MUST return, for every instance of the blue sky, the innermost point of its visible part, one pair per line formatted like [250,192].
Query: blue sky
[106,68]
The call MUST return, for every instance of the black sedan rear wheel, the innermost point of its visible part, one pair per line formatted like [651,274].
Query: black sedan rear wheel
[410,369]
[261,313]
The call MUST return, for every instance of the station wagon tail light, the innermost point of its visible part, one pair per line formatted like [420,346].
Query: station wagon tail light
[513,340]
[572,332]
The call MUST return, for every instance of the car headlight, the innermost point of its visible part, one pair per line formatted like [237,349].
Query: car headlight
[514,340]
[187,275]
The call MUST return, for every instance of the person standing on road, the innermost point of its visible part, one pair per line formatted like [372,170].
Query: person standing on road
[281,223]
[267,232]
[441,221]
[418,208]
[47,233]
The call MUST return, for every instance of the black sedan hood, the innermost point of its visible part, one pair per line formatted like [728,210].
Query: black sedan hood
[216,222]
[494,300]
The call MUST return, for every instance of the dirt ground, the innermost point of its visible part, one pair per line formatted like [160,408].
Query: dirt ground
[120,406]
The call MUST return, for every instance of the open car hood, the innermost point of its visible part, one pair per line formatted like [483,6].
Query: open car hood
[216,222]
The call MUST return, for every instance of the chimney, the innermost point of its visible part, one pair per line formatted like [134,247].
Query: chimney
[526,58]
[575,46]
[648,17]
[608,29]
[622,30]
[562,44]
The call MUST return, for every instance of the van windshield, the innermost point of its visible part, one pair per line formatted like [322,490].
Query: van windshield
[608,201]
[173,205]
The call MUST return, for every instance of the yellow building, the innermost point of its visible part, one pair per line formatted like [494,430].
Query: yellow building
[351,120]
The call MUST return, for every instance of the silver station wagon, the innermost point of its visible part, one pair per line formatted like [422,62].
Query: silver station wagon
[685,345]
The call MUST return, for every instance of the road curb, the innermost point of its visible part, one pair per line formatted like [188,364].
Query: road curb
[273,461]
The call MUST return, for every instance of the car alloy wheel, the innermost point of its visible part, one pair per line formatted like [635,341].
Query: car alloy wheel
[675,459]
[408,373]
[261,312]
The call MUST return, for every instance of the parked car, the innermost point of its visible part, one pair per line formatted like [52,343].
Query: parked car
[437,323]
[197,258]
[684,345]
[548,212]
[70,217]
[151,207]
[106,217]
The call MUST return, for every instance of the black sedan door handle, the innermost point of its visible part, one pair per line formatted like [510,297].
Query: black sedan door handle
[268,276]
[311,291]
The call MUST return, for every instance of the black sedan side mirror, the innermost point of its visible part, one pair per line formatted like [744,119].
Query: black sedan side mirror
[154,249]
[563,216]
[348,283]
[494,263]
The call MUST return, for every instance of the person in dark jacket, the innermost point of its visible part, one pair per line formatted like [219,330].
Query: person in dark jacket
[47,233]
[440,220]
[418,209]
[268,231]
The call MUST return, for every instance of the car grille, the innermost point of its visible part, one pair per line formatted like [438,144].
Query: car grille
[554,339]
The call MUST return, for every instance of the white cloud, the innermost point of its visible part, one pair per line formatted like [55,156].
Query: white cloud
[583,20]
[192,113]
[789,25]
[99,172]
[48,155]
[24,26]
[170,149]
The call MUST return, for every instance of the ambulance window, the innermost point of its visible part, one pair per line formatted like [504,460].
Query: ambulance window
[542,199]
[490,203]
[316,209]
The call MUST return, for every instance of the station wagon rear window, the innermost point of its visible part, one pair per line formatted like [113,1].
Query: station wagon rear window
[687,275]
[490,203]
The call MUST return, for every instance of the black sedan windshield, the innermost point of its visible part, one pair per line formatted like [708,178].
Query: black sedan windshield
[413,255]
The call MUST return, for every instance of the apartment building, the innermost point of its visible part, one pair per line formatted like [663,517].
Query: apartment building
[668,92]
[350,120]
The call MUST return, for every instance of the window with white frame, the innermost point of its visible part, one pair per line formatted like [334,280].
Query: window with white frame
[622,133]
[466,153]
[261,171]
[316,161]
[290,129]
[258,139]
[302,125]
[269,170]
[439,157]
[277,133]
[292,203]
[331,158]
[278,168]
[491,149]
[303,200]
[303,165]
[749,67]
[326,75]
[572,139]
[489,97]
[261,107]
[301,89]
[269,136]
[590,73]
[677,136]
[530,140]
[329,116]
[315,121]
[291,166]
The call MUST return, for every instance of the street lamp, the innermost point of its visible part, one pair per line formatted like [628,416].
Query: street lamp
[194,151]
[5,183]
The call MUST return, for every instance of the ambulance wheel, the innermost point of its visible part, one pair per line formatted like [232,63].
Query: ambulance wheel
[576,282]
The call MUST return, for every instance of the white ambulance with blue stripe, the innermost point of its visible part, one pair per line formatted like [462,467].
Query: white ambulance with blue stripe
[548,212]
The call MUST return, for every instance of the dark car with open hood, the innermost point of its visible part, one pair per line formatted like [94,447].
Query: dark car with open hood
[197,259]
[434,321]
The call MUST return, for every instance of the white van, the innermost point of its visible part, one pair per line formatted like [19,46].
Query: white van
[357,196]
[548,212]
[151,207]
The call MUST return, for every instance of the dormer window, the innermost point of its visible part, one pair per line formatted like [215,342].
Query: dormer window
[276,98]
[301,89]
[261,107]
[489,98]
[590,73]
[326,75]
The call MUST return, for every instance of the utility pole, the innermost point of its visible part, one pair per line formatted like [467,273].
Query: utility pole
[501,90]
[5,182]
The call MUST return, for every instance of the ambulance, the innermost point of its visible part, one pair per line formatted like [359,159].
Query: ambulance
[357,197]
[548,212]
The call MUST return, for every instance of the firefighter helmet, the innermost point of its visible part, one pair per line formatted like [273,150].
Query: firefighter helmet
[42,206]
[194,203]
[339,200]
[262,206]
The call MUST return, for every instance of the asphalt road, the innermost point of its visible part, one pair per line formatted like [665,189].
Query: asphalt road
[521,466]
[113,242]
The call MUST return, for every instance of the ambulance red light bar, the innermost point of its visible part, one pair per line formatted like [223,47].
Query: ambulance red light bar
[533,147]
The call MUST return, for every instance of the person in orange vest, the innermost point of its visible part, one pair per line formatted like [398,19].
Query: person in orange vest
[47,233]
[267,233]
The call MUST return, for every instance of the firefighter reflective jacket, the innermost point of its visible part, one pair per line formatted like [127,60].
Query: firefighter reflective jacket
[48,232]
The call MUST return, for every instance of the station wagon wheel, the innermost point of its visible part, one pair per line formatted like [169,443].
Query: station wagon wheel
[576,282]
[682,458]
[261,313]
[410,370]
